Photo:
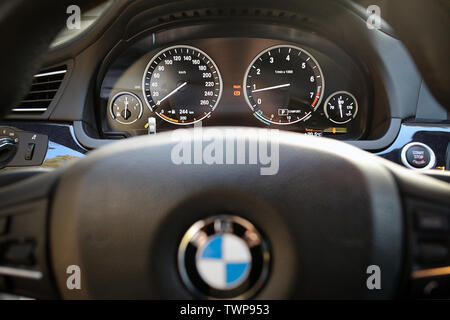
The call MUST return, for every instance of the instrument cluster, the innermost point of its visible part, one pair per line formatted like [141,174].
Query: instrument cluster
[313,88]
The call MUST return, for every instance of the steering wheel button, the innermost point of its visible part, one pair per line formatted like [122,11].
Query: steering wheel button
[432,253]
[432,221]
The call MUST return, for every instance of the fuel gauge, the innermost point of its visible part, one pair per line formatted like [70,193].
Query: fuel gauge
[126,108]
[341,107]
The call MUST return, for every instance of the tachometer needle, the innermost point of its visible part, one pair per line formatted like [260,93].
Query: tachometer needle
[171,93]
[271,88]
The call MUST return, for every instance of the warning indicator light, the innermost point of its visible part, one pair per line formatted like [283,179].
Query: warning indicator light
[237,90]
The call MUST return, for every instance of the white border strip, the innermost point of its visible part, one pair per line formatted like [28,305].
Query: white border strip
[50,73]
[30,110]
[21,273]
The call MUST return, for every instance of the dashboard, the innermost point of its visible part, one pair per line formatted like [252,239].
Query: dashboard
[144,67]
[143,70]
[307,85]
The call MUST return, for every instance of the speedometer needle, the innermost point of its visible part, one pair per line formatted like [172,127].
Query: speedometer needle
[171,93]
[271,88]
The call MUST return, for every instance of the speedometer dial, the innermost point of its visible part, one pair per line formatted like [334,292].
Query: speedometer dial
[182,85]
[283,85]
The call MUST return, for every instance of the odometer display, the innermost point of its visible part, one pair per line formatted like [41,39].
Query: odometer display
[283,85]
[182,85]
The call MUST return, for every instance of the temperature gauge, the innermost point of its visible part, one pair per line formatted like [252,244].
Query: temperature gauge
[341,107]
[126,108]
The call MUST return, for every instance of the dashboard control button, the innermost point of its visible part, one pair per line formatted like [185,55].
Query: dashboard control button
[418,156]
[8,150]
[7,132]
[29,151]
[432,221]
[21,148]
[151,125]
[432,253]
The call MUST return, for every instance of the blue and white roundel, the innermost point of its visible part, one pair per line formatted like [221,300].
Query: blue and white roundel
[224,261]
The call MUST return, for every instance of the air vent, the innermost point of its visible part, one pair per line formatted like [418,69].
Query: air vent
[44,88]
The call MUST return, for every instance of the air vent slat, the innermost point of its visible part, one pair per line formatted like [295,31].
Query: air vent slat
[57,77]
[51,73]
[43,90]
[45,82]
[37,100]
[51,85]
[39,110]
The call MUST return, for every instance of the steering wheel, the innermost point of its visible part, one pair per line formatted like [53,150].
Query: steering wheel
[128,218]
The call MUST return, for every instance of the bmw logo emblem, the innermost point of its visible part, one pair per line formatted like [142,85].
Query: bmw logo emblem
[223,257]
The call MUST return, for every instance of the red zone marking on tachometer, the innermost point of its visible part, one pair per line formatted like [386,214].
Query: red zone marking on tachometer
[201,117]
[317,98]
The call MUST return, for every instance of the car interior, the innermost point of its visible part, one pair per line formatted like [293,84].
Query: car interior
[212,149]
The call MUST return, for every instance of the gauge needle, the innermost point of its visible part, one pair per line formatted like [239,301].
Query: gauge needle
[271,88]
[341,102]
[171,93]
[126,107]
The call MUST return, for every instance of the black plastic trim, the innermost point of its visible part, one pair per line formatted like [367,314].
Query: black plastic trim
[87,141]
[383,142]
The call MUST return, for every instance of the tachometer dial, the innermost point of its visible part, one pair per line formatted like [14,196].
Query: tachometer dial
[283,85]
[341,107]
[182,85]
